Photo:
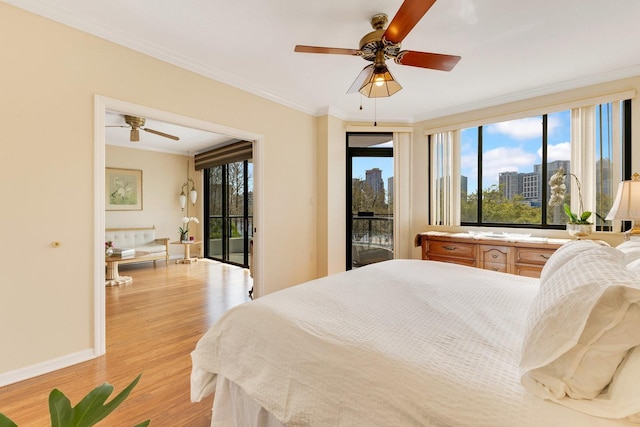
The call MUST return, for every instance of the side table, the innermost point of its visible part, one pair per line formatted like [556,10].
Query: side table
[187,258]
[113,277]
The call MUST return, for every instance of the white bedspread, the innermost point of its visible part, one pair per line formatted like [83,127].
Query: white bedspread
[398,343]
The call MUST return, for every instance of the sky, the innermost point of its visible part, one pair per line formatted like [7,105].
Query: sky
[514,145]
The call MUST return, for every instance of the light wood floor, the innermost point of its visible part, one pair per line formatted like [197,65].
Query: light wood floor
[152,327]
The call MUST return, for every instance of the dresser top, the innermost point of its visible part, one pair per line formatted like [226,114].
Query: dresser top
[506,239]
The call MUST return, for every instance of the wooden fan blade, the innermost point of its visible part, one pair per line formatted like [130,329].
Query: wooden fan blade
[434,61]
[331,50]
[166,135]
[410,12]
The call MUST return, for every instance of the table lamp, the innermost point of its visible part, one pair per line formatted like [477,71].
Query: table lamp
[627,205]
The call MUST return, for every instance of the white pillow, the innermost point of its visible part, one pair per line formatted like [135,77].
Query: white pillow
[564,254]
[581,325]
[631,251]
[621,399]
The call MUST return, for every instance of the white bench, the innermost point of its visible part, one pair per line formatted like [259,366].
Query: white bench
[141,240]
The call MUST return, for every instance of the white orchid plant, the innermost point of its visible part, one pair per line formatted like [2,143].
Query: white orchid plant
[184,229]
[558,191]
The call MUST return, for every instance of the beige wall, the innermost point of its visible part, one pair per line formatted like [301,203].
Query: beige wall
[162,178]
[49,77]
[331,191]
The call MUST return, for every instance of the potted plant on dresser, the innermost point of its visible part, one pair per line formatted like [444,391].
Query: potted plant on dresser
[578,224]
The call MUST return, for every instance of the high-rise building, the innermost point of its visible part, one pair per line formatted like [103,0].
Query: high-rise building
[390,189]
[510,184]
[531,189]
[374,180]
[529,184]
[463,188]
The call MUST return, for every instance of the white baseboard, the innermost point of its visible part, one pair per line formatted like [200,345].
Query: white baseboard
[45,367]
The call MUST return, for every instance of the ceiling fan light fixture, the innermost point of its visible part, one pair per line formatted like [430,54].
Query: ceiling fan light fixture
[135,135]
[380,83]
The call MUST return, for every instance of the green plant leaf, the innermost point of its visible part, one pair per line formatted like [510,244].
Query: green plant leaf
[585,216]
[6,422]
[89,411]
[91,408]
[60,409]
[572,217]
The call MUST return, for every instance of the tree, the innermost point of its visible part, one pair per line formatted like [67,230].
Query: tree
[497,208]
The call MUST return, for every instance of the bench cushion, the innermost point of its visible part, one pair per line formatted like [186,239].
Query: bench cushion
[141,240]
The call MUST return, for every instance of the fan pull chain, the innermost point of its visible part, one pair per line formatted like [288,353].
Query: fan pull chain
[360,102]
[375,111]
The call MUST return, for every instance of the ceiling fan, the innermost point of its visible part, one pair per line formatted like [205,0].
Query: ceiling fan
[137,123]
[375,80]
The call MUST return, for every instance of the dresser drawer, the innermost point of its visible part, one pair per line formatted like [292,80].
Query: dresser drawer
[494,254]
[533,255]
[494,258]
[528,270]
[451,249]
[495,267]
[469,262]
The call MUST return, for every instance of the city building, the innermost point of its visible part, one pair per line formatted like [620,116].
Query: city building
[373,178]
[510,183]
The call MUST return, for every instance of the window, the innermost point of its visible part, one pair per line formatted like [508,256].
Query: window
[497,174]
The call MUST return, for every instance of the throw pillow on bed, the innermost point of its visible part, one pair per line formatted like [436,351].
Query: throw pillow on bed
[564,254]
[581,325]
[620,399]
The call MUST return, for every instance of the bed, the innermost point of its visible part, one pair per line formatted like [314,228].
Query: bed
[425,343]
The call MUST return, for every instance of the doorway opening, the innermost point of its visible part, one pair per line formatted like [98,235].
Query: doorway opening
[369,198]
[101,106]
[228,205]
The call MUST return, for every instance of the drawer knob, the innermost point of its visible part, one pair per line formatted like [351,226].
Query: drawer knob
[450,248]
[494,268]
[494,256]
[544,256]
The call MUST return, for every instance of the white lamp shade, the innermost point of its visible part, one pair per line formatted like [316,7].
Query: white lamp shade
[627,203]
[193,195]
[183,200]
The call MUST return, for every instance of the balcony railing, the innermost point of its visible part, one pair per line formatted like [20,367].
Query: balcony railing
[235,248]
[371,239]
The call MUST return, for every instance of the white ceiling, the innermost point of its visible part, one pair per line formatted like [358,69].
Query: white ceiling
[192,141]
[510,49]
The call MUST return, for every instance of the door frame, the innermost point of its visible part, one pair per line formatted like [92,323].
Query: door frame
[225,208]
[350,153]
[101,105]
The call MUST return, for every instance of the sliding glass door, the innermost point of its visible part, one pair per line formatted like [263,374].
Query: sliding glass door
[369,199]
[229,208]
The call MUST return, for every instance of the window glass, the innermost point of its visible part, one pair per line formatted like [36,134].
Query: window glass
[558,156]
[510,185]
[505,167]
[469,175]
[604,146]
[215,201]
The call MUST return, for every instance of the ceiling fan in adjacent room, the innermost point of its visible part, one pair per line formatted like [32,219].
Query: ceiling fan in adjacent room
[137,123]
[375,80]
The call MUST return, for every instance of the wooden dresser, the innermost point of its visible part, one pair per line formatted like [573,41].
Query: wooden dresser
[521,257]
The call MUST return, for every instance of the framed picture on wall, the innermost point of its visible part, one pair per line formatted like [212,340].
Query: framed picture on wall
[123,189]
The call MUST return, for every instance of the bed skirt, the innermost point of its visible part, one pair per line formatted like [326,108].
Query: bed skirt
[232,407]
